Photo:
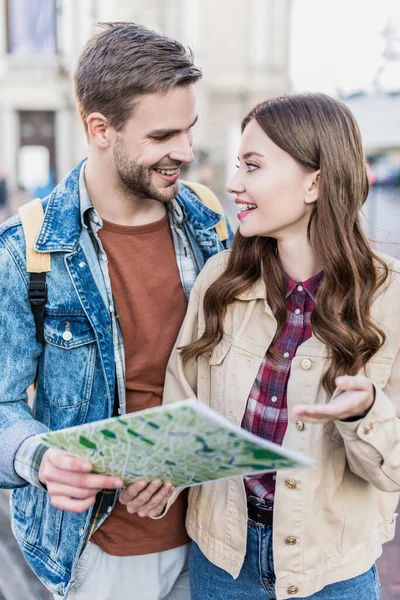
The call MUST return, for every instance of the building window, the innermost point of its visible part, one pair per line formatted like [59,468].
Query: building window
[258,33]
[36,153]
[32,27]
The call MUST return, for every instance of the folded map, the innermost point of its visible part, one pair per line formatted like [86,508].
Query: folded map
[185,443]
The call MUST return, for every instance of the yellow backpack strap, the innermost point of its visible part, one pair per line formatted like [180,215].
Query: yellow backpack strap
[32,216]
[37,264]
[210,199]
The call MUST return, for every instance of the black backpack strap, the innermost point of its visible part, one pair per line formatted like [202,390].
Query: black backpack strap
[37,297]
[37,264]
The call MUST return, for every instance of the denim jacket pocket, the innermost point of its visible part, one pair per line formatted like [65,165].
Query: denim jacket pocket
[69,358]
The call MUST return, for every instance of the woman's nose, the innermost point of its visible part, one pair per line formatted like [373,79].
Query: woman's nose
[235,186]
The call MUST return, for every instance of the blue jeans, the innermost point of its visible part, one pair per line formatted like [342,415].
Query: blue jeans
[257,577]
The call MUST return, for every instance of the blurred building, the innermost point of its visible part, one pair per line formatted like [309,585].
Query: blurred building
[243,48]
[378,112]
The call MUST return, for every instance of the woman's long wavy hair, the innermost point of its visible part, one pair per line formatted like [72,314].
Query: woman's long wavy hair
[319,133]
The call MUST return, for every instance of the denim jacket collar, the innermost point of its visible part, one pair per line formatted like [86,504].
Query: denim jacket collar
[64,216]
[200,215]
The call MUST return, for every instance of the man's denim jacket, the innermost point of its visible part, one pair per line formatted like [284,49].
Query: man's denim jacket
[75,378]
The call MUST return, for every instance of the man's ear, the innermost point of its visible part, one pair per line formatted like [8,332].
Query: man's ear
[98,130]
[312,191]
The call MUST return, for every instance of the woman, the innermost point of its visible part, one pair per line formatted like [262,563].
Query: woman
[295,335]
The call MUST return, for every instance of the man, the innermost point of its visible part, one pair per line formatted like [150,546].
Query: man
[126,243]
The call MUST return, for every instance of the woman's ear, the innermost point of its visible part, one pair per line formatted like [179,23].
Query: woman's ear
[312,191]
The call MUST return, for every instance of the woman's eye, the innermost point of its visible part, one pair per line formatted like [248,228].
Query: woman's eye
[250,167]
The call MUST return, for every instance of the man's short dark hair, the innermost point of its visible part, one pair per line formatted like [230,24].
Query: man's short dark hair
[123,62]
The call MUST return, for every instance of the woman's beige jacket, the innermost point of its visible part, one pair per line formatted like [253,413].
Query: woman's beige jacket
[329,522]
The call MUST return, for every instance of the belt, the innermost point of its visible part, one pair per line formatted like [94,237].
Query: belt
[259,512]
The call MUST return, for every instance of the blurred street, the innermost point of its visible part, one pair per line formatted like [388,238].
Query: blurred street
[17,581]
[382,212]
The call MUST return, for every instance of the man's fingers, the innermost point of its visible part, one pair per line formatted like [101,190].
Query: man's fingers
[71,505]
[64,461]
[58,489]
[145,496]
[150,500]
[132,491]
[80,480]
[157,503]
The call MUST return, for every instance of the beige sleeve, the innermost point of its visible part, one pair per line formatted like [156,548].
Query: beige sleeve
[373,443]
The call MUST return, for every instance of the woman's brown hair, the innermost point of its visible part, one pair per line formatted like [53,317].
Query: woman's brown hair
[319,133]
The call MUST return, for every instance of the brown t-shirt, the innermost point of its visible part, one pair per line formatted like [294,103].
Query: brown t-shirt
[151,305]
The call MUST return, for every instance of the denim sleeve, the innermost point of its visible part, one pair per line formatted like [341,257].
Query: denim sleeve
[19,354]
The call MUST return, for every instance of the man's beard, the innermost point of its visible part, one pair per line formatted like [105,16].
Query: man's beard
[137,179]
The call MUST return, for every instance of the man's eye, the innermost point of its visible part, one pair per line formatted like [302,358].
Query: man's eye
[161,138]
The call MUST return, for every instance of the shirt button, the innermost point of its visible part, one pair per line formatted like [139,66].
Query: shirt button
[286,355]
[67,336]
[104,258]
[299,425]
[81,532]
[96,219]
[82,264]
[292,590]
[109,509]
[274,399]
[291,484]
[300,288]
[297,311]
[306,364]
[111,308]
[291,541]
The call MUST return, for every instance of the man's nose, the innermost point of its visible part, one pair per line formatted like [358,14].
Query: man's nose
[183,152]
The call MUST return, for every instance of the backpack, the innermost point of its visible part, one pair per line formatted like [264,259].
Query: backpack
[38,264]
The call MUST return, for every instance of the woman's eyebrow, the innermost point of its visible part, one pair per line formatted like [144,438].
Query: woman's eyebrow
[252,153]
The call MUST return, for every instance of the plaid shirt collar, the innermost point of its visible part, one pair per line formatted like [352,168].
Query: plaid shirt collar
[311,285]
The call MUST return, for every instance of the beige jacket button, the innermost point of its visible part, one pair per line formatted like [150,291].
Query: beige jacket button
[306,364]
[291,541]
[299,425]
[292,590]
[291,484]
[368,429]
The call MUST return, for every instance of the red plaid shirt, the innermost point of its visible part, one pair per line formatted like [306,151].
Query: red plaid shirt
[266,412]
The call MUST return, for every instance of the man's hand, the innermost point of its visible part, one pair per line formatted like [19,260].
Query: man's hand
[146,499]
[70,483]
[356,399]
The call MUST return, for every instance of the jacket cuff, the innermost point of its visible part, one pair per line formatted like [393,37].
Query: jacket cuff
[28,459]
[368,428]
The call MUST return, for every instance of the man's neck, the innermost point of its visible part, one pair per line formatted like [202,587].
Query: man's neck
[113,203]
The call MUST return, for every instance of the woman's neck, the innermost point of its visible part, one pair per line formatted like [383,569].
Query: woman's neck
[298,259]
